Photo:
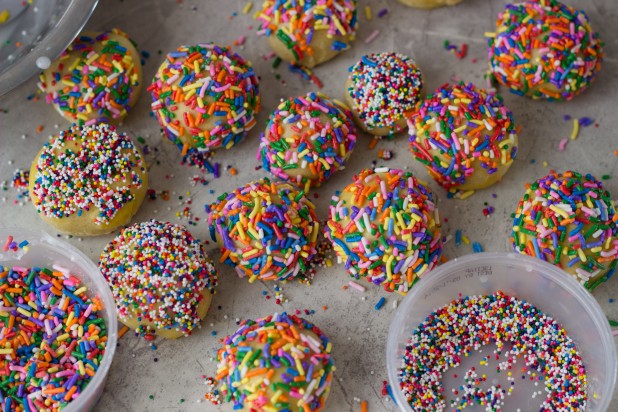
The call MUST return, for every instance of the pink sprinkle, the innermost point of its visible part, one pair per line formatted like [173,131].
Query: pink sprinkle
[562,144]
[356,286]
[372,36]
[615,332]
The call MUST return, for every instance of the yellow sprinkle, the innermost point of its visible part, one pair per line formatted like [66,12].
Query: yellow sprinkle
[63,337]
[389,272]
[368,14]
[582,255]
[5,15]
[490,34]
[82,371]
[80,291]
[241,231]
[559,211]
[467,194]
[465,239]
[575,131]
[339,26]
[276,396]
[246,10]
[25,312]
[299,367]
[6,351]
[245,359]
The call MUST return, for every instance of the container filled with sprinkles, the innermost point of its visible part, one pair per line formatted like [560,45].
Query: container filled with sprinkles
[500,332]
[58,325]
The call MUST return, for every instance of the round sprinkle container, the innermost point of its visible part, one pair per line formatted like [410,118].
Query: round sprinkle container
[58,325]
[544,50]
[500,331]
[385,228]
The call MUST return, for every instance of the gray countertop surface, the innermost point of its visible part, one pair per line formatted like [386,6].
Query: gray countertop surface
[170,377]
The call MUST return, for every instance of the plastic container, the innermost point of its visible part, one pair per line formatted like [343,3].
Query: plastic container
[545,286]
[41,30]
[45,251]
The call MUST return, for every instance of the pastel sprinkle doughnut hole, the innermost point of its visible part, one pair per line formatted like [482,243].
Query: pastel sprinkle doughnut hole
[550,290]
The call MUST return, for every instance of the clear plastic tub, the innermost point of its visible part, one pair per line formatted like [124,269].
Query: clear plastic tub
[545,286]
[45,251]
[43,29]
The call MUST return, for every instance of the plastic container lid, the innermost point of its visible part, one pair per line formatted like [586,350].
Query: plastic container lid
[545,286]
[45,251]
[49,27]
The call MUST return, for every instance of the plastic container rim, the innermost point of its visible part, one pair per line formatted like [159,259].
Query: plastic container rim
[57,40]
[35,237]
[561,278]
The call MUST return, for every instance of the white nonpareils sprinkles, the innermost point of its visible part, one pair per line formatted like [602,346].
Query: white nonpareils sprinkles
[517,328]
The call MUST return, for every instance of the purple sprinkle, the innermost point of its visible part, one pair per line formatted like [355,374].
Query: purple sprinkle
[585,121]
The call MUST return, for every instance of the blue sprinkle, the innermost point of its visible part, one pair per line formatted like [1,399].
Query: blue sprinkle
[458,237]
[476,247]
[380,303]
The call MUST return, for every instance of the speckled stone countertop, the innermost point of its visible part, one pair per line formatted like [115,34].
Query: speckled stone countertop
[170,377]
